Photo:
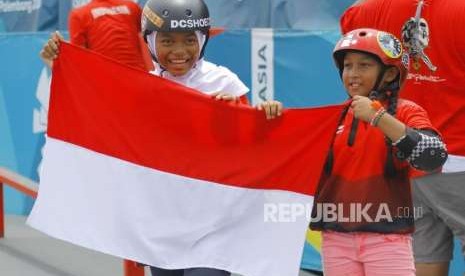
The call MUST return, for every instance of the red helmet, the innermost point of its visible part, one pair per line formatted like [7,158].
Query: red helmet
[383,45]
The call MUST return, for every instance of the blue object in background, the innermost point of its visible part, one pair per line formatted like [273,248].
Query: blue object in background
[304,72]
[19,72]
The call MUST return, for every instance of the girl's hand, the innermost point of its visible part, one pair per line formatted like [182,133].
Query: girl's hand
[362,109]
[272,109]
[50,50]
[223,96]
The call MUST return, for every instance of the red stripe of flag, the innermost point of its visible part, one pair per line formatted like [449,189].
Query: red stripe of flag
[129,114]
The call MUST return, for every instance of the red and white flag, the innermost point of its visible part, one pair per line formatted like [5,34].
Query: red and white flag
[145,169]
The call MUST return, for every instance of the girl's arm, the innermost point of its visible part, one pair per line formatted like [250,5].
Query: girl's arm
[423,149]
[390,126]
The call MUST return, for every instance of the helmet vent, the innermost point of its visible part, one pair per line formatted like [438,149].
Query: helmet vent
[188,13]
[362,34]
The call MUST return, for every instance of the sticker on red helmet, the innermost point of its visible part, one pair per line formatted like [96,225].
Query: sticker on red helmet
[390,45]
[348,40]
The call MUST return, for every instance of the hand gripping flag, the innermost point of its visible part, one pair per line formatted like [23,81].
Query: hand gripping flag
[145,169]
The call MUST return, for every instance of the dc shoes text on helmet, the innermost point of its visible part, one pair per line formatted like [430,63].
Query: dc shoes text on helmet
[176,16]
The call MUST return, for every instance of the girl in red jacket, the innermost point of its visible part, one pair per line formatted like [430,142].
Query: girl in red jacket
[363,204]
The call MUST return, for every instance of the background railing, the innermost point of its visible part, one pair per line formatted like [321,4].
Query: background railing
[30,188]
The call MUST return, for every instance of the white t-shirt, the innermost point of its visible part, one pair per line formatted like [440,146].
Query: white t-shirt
[207,78]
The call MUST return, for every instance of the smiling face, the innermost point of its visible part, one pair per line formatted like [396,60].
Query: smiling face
[177,52]
[359,74]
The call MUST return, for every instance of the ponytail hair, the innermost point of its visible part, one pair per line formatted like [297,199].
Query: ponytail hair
[390,93]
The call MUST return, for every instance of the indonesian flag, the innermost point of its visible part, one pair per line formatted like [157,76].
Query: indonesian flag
[145,169]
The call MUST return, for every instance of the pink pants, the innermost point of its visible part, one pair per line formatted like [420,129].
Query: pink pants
[367,254]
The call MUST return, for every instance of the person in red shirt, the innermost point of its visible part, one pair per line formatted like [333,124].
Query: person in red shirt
[381,140]
[111,28]
[431,31]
